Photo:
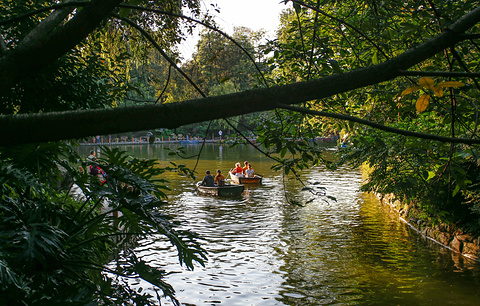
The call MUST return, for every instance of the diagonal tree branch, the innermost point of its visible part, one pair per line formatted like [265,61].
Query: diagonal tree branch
[28,128]
[380,126]
[46,26]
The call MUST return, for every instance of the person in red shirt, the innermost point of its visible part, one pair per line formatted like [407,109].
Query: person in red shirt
[238,171]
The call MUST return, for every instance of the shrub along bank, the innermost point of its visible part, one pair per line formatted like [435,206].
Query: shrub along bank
[434,186]
[453,236]
[456,229]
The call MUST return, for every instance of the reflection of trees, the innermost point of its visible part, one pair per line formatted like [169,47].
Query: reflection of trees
[335,255]
[314,248]
[396,257]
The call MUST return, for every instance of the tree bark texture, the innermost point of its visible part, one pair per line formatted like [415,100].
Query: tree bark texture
[50,40]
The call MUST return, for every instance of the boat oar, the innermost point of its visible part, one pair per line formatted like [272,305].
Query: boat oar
[194,190]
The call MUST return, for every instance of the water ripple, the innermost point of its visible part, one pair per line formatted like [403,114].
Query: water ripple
[263,251]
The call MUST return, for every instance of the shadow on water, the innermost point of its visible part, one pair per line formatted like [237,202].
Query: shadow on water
[263,251]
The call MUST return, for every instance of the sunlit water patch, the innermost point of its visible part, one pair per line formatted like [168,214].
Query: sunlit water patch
[264,251]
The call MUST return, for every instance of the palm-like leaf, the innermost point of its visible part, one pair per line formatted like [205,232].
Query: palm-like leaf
[61,243]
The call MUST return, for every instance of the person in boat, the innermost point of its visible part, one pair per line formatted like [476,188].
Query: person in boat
[238,171]
[249,172]
[92,156]
[208,180]
[245,166]
[96,170]
[219,179]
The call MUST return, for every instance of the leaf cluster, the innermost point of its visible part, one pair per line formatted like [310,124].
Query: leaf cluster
[318,39]
[419,172]
[58,238]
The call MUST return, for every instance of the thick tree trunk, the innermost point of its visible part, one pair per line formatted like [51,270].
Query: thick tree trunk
[50,40]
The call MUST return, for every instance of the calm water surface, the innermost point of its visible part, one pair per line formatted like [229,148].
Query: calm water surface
[263,251]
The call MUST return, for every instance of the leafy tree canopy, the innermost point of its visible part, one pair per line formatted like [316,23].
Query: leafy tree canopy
[36,54]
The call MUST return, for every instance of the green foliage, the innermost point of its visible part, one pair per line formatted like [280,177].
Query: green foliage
[98,72]
[417,171]
[219,66]
[441,178]
[75,82]
[78,80]
[57,238]
[54,246]
[290,139]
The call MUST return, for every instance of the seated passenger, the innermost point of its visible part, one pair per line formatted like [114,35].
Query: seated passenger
[219,179]
[208,180]
[245,167]
[249,172]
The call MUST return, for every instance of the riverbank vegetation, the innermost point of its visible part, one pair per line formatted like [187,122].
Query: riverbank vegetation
[397,80]
[436,180]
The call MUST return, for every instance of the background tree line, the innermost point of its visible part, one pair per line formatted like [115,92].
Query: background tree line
[218,66]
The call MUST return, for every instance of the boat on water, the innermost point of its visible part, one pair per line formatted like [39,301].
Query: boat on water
[256,180]
[224,191]
[189,141]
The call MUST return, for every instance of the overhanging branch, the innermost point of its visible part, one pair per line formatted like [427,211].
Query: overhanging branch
[28,128]
[380,126]
[47,46]
[446,74]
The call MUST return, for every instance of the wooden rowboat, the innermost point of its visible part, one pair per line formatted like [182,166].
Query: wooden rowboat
[256,180]
[225,191]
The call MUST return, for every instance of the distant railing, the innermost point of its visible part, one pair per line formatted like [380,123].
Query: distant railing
[108,140]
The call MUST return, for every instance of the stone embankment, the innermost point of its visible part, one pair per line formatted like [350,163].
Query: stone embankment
[448,236]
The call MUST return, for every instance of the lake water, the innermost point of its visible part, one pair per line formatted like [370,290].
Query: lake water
[264,251]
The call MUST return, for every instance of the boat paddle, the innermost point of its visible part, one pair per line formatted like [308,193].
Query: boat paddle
[194,190]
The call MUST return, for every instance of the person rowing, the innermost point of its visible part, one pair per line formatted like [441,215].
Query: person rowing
[238,171]
[208,180]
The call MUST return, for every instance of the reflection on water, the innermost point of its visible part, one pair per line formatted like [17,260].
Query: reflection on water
[263,251]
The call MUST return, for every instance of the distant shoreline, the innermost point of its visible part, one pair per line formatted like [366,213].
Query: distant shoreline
[146,142]
[184,141]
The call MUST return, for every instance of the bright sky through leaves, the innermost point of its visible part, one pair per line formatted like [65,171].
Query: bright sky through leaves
[253,14]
